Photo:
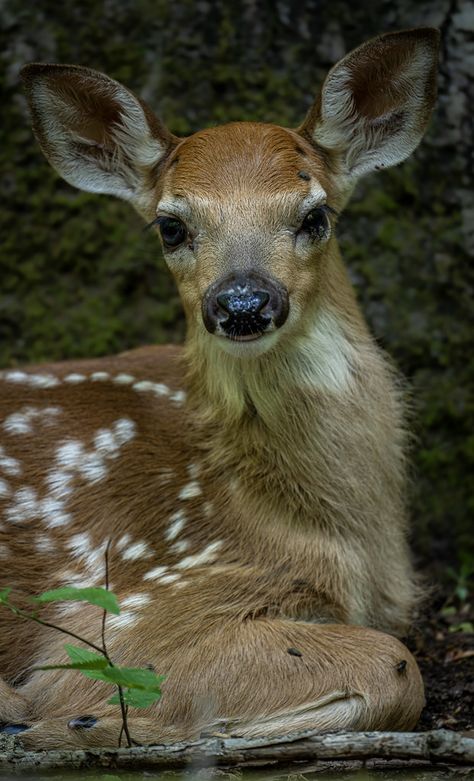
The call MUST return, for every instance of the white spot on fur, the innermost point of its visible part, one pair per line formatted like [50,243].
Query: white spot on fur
[124,379]
[190,490]
[4,488]
[208,509]
[9,465]
[95,559]
[22,422]
[123,541]
[35,380]
[124,430]
[194,471]
[178,397]
[204,557]
[70,454]
[58,483]
[143,386]
[17,423]
[74,379]
[158,388]
[100,376]
[169,578]
[44,543]
[16,376]
[106,443]
[139,550]
[80,543]
[51,412]
[92,467]
[175,525]
[24,505]
[180,547]
[91,464]
[78,579]
[135,600]
[54,513]
[43,380]
[125,619]
[69,608]
[154,574]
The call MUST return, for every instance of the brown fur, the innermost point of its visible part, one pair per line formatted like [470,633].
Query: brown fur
[287,462]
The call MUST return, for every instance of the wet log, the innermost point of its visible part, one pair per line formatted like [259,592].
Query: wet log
[321,750]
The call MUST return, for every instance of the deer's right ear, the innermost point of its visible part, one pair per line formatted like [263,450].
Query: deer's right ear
[97,134]
[376,102]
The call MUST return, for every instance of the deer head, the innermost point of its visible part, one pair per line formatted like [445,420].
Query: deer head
[246,211]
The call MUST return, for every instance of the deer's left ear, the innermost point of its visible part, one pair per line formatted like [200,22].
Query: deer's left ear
[376,102]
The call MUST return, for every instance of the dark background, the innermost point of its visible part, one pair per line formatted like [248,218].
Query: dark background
[79,278]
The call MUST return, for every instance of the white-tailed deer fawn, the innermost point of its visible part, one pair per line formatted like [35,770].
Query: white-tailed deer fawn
[252,483]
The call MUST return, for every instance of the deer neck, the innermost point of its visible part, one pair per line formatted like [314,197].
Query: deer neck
[296,425]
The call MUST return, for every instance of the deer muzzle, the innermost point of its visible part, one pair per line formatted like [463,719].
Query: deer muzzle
[243,307]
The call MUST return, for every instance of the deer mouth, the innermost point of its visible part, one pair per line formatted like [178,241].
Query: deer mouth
[246,327]
[245,338]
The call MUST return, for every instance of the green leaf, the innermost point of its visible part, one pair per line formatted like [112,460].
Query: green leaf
[97,665]
[465,626]
[79,654]
[136,698]
[135,678]
[462,593]
[449,610]
[81,659]
[95,596]
[129,677]
[4,594]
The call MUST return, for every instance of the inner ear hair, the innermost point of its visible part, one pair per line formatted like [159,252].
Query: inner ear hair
[94,131]
[376,102]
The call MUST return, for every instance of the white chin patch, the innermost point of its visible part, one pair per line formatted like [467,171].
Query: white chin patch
[247,349]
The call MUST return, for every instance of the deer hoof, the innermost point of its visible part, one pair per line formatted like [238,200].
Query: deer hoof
[13,729]
[82,722]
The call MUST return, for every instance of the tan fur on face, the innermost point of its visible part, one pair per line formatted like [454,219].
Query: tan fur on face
[239,191]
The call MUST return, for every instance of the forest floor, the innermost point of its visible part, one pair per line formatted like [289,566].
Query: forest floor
[443,644]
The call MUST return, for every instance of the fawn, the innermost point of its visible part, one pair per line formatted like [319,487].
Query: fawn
[252,482]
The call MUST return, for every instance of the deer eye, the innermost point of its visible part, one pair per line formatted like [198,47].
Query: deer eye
[173,231]
[316,223]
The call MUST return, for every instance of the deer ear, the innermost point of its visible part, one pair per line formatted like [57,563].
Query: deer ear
[94,132]
[376,102]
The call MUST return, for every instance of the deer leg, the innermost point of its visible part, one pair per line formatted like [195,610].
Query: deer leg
[90,732]
[270,677]
[263,678]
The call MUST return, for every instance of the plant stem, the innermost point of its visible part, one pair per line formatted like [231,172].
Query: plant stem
[104,614]
[123,707]
[101,650]
[23,614]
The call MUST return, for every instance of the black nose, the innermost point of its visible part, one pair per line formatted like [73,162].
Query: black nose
[248,303]
[243,306]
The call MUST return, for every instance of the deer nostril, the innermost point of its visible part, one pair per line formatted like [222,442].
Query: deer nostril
[243,303]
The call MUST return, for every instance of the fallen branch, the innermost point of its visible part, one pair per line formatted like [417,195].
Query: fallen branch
[432,747]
